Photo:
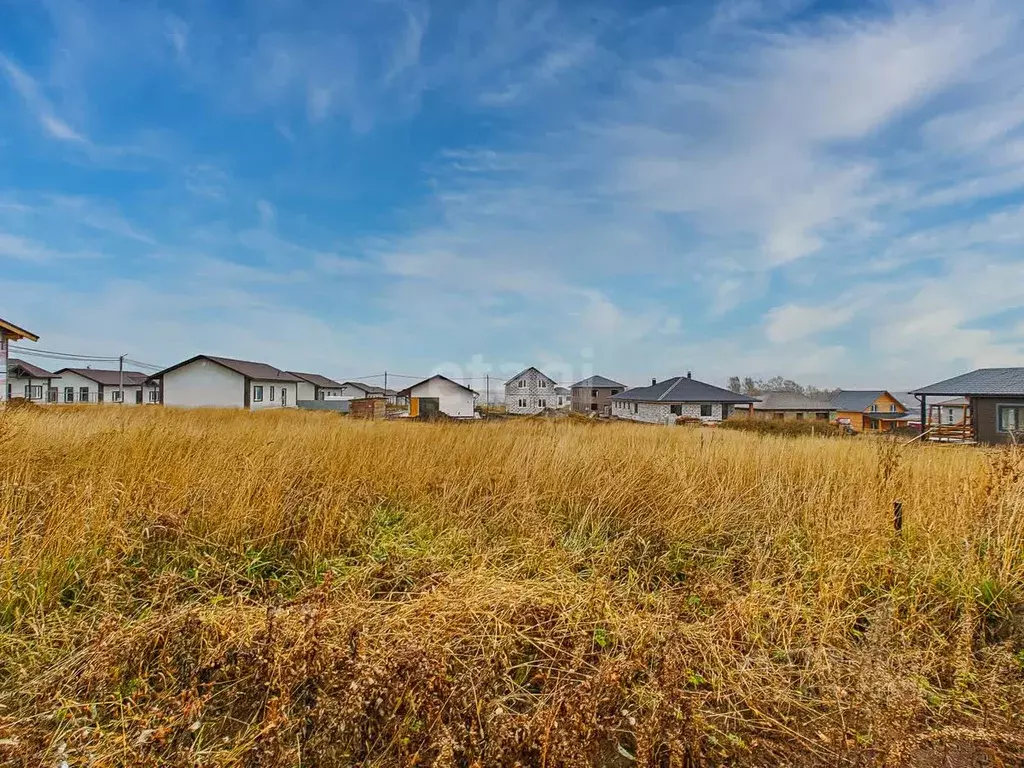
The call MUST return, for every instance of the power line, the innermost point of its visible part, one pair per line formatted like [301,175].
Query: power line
[50,354]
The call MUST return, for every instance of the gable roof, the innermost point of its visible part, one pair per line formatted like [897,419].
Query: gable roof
[316,379]
[597,382]
[983,381]
[248,368]
[107,377]
[562,391]
[857,399]
[16,332]
[527,370]
[683,389]
[407,392]
[34,371]
[791,401]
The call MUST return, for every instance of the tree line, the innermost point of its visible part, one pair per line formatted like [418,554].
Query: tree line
[751,386]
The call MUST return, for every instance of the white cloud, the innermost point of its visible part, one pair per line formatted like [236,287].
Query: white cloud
[38,104]
[791,322]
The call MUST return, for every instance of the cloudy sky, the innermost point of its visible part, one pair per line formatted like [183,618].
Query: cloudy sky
[829,191]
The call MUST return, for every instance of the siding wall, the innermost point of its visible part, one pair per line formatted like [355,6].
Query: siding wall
[985,414]
[533,393]
[267,403]
[661,413]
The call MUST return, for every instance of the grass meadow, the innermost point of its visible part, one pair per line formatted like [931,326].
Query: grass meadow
[299,589]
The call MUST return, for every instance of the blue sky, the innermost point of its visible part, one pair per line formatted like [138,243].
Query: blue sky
[832,192]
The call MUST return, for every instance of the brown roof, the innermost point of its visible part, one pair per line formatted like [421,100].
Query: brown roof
[248,368]
[407,392]
[108,378]
[34,371]
[16,332]
[316,379]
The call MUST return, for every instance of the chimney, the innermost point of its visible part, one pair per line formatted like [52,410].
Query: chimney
[653,382]
[689,374]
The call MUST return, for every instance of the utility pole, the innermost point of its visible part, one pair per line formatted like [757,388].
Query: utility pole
[487,378]
[120,378]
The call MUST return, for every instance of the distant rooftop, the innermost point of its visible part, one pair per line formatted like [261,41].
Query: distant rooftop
[598,382]
[683,389]
[983,381]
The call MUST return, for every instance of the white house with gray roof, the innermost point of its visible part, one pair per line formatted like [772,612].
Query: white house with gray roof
[224,382]
[529,392]
[664,402]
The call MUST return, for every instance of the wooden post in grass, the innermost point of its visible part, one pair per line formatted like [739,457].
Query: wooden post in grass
[897,517]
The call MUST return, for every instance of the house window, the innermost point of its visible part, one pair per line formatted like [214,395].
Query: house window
[34,391]
[138,396]
[522,402]
[542,403]
[83,395]
[677,410]
[51,395]
[543,383]
[873,408]
[116,396]
[1010,418]
[257,393]
[821,416]
[893,409]
[778,415]
[593,393]
[636,407]
[559,400]
[69,394]
[593,406]
[284,395]
[616,391]
[800,415]
[154,396]
[522,382]
[705,410]
[271,394]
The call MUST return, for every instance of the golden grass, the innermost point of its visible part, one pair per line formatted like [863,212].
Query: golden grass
[222,588]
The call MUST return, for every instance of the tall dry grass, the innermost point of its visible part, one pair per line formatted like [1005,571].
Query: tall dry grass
[222,588]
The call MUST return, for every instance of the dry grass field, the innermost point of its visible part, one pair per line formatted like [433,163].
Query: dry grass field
[298,589]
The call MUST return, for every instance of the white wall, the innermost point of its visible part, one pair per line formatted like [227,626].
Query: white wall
[18,387]
[130,393]
[452,399]
[203,383]
[306,391]
[267,403]
[68,379]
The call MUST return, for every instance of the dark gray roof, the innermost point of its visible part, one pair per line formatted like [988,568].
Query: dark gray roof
[108,378]
[598,382]
[407,392]
[682,389]
[527,370]
[562,391]
[253,370]
[316,379]
[888,416]
[855,399]
[791,401]
[984,381]
[34,371]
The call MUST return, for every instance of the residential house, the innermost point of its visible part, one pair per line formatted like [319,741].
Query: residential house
[792,405]
[9,332]
[529,392]
[439,394]
[100,385]
[357,390]
[873,410]
[563,397]
[29,382]
[911,405]
[223,382]
[995,404]
[594,395]
[313,386]
[664,402]
[949,412]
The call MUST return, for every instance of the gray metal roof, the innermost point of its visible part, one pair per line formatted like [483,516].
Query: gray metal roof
[855,399]
[316,379]
[598,382]
[791,401]
[983,381]
[562,391]
[34,371]
[682,389]
[527,370]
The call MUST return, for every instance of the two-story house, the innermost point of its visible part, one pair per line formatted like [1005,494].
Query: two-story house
[530,392]
[594,394]
[872,410]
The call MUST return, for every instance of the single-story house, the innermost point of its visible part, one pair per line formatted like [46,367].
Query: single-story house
[995,397]
[664,402]
[223,382]
[792,405]
[530,391]
[874,410]
[562,396]
[29,382]
[594,394]
[439,394]
[313,386]
[9,332]
[947,412]
[100,385]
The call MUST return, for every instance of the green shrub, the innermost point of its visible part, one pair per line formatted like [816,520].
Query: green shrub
[784,427]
